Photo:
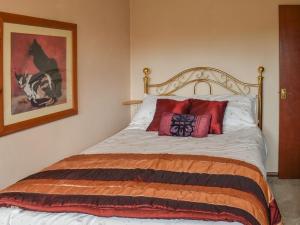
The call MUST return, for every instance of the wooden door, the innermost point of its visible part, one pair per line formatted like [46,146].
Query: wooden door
[289,134]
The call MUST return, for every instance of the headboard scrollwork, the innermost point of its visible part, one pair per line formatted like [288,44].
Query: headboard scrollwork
[210,76]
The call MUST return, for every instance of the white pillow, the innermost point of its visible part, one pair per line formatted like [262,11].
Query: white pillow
[240,111]
[145,113]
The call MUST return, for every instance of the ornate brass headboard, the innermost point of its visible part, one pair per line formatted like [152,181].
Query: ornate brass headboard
[210,76]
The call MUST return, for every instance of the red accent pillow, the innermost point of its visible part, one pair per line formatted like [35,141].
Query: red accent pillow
[167,105]
[215,108]
[184,125]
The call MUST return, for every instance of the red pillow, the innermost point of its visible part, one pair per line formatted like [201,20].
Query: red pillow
[167,105]
[184,125]
[215,108]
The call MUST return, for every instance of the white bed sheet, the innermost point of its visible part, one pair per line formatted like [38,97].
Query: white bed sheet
[245,144]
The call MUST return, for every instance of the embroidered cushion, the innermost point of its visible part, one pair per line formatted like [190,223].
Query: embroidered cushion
[215,108]
[167,105]
[184,125]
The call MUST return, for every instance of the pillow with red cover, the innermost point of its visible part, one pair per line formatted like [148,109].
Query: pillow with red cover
[215,108]
[184,125]
[167,105]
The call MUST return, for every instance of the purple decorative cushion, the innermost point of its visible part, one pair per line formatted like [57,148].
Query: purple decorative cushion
[184,125]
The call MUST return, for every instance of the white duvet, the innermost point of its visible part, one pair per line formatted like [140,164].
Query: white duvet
[245,144]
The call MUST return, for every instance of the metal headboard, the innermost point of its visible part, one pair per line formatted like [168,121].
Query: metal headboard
[210,76]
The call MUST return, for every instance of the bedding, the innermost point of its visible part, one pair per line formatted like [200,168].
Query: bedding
[151,186]
[184,125]
[146,111]
[215,108]
[170,106]
[240,111]
[246,145]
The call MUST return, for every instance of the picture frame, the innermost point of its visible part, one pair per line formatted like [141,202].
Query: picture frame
[38,71]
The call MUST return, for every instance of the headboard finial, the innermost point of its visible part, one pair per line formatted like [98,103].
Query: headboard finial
[146,71]
[146,79]
[261,69]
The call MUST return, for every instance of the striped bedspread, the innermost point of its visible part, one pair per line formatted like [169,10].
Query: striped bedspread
[149,186]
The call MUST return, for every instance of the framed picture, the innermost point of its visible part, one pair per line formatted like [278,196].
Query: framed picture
[38,71]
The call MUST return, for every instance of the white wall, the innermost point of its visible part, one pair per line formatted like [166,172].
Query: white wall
[234,35]
[103,83]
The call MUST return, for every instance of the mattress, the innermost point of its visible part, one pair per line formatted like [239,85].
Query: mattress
[245,144]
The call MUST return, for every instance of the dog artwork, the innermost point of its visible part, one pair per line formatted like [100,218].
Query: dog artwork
[38,79]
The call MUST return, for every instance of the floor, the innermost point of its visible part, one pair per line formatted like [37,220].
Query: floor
[287,194]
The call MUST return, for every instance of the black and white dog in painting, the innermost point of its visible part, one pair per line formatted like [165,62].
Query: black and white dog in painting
[43,88]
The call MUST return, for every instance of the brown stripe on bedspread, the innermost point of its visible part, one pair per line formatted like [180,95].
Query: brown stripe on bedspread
[166,162]
[127,206]
[156,176]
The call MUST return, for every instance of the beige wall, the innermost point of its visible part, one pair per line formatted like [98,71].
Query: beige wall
[233,35]
[103,83]
[168,36]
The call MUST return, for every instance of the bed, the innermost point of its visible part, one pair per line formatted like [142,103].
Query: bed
[146,171]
